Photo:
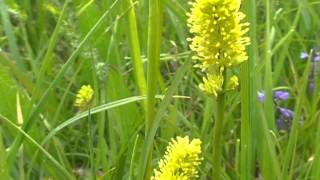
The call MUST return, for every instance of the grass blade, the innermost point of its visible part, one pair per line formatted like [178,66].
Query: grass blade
[48,155]
[10,35]
[290,151]
[154,42]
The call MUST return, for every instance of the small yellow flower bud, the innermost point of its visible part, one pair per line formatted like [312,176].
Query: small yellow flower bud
[212,85]
[84,96]
[233,83]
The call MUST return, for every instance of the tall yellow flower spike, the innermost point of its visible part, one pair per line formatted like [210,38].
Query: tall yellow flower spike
[219,40]
[84,96]
[180,161]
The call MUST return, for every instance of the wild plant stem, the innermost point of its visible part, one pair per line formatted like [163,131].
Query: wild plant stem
[90,137]
[154,36]
[101,133]
[217,135]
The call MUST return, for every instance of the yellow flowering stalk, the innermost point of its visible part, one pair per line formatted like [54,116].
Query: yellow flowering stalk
[83,100]
[219,40]
[84,96]
[180,161]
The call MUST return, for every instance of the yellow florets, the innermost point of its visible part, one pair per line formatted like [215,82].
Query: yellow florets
[84,96]
[212,84]
[233,83]
[219,40]
[180,160]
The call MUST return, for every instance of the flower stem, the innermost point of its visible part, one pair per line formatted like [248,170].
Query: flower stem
[154,42]
[90,137]
[217,137]
[217,133]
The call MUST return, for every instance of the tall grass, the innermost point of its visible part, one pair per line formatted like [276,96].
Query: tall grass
[147,91]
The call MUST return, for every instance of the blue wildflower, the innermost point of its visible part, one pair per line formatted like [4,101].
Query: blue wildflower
[304,55]
[285,118]
[311,87]
[278,95]
[316,58]
[286,113]
[282,124]
[261,96]
[281,95]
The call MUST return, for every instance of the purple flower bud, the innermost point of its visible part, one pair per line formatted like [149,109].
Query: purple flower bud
[316,58]
[304,55]
[261,96]
[281,95]
[286,113]
[311,87]
[281,124]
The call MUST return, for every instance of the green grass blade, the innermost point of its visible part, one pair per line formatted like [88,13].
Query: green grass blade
[135,49]
[133,157]
[10,35]
[46,63]
[269,163]
[4,173]
[48,155]
[154,43]
[248,98]
[291,148]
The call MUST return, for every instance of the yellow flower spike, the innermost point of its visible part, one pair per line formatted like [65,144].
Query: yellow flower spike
[84,96]
[219,39]
[180,161]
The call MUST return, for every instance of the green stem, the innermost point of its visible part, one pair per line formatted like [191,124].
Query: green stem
[269,163]
[217,137]
[4,173]
[90,133]
[131,170]
[248,98]
[154,37]
[217,134]
[101,133]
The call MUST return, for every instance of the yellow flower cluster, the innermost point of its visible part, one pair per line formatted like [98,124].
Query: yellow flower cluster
[84,96]
[212,84]
[219,40]
[180,160]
